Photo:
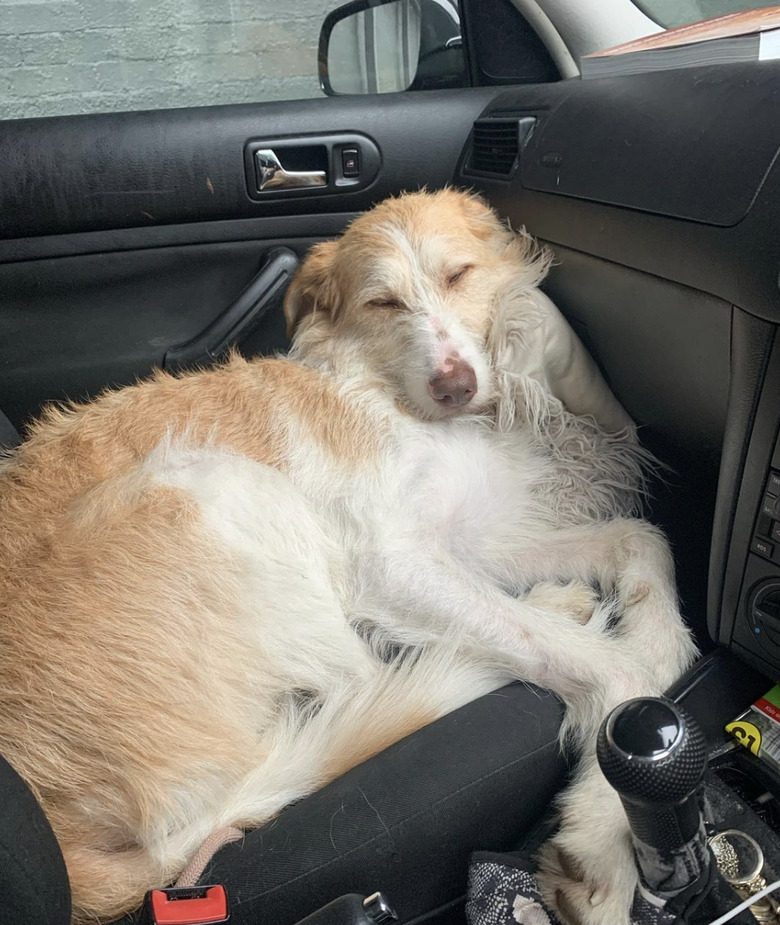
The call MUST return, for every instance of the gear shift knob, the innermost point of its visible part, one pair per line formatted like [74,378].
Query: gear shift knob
[654,754]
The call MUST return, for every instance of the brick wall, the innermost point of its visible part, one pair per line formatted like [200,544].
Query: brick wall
[60,57]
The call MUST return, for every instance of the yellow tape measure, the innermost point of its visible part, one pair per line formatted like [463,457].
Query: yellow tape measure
[746,734]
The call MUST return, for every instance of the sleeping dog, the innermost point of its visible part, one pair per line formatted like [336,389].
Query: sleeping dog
[437,469]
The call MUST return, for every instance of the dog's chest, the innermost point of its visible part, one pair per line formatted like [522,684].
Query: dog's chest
[452,483]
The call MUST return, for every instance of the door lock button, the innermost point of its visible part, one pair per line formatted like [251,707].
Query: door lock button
[350,163]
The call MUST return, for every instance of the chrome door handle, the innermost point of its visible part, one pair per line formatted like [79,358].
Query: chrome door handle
[271,175]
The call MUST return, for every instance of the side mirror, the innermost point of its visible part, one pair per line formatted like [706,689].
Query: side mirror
[384,46]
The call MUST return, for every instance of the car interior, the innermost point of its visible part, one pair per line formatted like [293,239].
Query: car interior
[136,240]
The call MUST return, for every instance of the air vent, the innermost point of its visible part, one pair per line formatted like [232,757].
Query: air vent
[494,146]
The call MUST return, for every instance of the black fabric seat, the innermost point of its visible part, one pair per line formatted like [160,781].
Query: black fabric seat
[34,886]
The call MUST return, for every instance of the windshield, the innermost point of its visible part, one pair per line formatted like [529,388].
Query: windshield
[671,13]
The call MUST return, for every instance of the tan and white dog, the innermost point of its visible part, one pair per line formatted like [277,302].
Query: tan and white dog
[181,558]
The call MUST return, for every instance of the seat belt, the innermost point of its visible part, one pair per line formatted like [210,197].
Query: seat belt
[186,903]
[193,871]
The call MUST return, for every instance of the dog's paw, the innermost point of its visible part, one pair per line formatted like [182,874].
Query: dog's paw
[587,872]
[574,598]
[576,897]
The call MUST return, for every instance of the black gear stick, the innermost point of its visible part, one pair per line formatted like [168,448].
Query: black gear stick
[654,754]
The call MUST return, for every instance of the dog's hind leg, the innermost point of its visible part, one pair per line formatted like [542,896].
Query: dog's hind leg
[355,720]
[289,571]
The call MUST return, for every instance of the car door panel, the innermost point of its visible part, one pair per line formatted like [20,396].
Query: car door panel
[72,325]
[135,169]
[125,235]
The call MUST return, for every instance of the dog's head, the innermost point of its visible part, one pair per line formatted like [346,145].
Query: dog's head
[412,289]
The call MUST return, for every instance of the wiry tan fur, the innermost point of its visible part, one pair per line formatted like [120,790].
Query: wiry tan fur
[184,563]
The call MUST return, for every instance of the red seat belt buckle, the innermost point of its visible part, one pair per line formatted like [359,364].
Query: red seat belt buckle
[197,905]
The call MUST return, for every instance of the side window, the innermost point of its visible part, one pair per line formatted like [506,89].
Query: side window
[62,57]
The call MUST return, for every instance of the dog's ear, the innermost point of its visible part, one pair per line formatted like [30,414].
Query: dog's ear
[312,287]
[483,221]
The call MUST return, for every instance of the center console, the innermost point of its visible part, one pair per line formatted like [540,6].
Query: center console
[756,631]
[743,789]
[745,560]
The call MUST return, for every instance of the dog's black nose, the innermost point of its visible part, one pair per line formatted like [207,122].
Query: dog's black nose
[454,386]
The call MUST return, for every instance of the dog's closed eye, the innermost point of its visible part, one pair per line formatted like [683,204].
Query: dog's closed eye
[395,304]
[454,278]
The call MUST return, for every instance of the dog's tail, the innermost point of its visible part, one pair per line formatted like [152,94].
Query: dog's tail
[316,745]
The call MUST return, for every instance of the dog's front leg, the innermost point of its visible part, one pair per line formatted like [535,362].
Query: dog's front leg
[589,670]
[626,556]
[439,599]
[587,870]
